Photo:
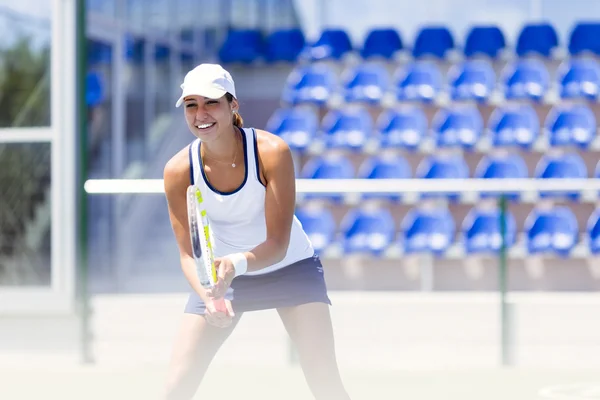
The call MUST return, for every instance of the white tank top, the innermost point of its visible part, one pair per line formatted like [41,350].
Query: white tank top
[237,218]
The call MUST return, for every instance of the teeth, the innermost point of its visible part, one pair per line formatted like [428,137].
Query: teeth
[204,126]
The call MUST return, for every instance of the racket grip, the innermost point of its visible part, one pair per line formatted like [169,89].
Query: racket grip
[220,305]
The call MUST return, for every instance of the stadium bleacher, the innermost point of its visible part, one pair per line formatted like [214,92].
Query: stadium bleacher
[442,107]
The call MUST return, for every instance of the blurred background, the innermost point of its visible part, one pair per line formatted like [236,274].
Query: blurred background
[359,89]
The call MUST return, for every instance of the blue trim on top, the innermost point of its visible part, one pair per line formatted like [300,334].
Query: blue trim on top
[191,164]
[211,187]
[256,158]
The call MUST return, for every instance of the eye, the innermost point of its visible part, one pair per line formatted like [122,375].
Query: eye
[190,105]
[212,102]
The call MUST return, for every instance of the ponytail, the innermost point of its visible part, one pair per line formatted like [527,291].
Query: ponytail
[237,118]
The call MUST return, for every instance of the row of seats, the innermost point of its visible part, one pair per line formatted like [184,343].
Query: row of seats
[290,45]
[453,126]
[450,166]
[473,80]
[433,230]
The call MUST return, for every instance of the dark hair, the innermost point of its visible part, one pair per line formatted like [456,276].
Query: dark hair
[237,118]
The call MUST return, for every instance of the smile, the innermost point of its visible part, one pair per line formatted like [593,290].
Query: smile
[205,126]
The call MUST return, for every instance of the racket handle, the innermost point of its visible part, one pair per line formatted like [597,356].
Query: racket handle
[220,305]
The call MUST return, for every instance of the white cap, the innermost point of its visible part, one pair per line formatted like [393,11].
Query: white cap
[207,80]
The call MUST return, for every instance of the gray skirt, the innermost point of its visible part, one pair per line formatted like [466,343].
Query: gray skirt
[299,283]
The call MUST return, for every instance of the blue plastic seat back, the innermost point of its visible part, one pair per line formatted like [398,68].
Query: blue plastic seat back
[384,166]
[242,46]
[537,39]
[472,80]
[551,231]
[419,81]
[584,39]
[509,166]
[383,42]
[484,40]
[333,44]
[297,126]
[402,128]
[482,231]
[328,166]
[319,225]
[571,126]
[284,45]
[514,126]
[565,166]
[526,80]
[366,83]
[312,84]
[433,41]
[593,231]
[349,128]
[442,167]
[427,231]
[367,230]
[457,126]
[579,79]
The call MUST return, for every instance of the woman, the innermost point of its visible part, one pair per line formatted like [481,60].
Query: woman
[264,258]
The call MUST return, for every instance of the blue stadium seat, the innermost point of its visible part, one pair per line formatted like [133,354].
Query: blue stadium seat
[333,44]
[514,126]
[584,39]
[501,166]
[472,80]
[579,78]
[366,83]
[297,126]
[384,166]
[571,126]
[284,45]
[311,84]
[551,231]
[367,231]
[402,128]
[537,39]
[427,231]
[457,126]
[349,128]
[482,233]
[381,43]
[433,41]
[319,225]
[328,166]
[563,166]
[525,80]
[488,41]
[449,166]
[94,89]
[242,46]
[419,81]
[593,232]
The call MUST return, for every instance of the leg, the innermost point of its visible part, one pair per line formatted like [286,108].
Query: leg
[309,326]
[195,346]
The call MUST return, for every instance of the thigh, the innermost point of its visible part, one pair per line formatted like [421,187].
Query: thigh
[309,326]
[195,346]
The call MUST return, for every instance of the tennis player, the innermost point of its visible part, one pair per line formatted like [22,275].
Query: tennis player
[264,258]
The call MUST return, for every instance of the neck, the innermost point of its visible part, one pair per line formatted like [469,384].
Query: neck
[223,147]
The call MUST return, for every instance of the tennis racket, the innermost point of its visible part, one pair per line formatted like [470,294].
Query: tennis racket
[201,242]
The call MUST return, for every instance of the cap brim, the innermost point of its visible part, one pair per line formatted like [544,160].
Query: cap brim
[211,93]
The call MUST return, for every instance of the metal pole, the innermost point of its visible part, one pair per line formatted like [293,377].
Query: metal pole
[82,261]
[503,278]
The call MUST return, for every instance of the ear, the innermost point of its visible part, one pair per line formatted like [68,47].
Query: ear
[234,105]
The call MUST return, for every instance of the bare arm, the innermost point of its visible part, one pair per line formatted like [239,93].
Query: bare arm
[280,202]
[176,180]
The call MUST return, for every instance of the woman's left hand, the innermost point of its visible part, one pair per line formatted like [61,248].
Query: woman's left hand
[225,274]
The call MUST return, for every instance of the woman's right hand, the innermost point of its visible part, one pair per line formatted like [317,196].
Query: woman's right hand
[219,312]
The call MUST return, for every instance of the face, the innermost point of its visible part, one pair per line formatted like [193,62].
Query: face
[208,118]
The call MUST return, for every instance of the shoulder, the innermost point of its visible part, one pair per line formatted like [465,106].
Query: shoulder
[177,170]
[271,147]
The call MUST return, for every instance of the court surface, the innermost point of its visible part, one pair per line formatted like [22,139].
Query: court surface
[287,383]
